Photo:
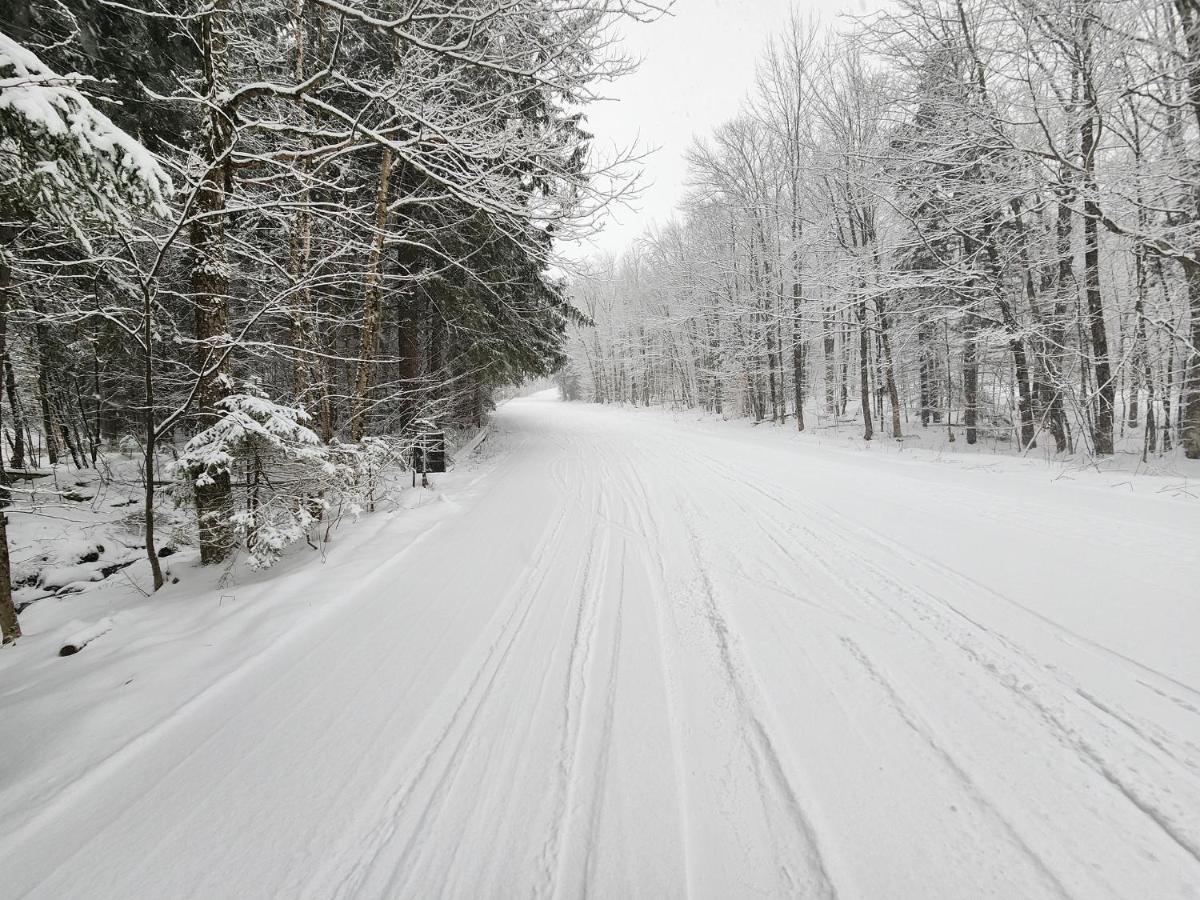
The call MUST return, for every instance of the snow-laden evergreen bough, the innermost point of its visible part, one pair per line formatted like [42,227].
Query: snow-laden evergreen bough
[65,160]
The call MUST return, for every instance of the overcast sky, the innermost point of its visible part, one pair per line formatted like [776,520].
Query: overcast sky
[697,66]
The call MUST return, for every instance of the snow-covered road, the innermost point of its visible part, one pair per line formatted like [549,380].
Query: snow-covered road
[655,659]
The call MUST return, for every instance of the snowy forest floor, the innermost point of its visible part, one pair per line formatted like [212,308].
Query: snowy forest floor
[627,653]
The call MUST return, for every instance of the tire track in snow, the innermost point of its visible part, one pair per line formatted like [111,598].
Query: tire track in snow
[656,575]
[453,737]
[973,585]
[857,530]
[833,518]
[783,814]
[591,593]
[589,835]
[605,742]
[769,770]
[190,715]
[1031,672]
[909,715]
[997,665]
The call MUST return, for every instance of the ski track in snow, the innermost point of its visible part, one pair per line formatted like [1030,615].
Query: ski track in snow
[644,661]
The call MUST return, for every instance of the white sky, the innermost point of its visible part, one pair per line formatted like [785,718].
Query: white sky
[697,66]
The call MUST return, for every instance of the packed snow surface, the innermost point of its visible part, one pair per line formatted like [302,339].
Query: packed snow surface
[639,657]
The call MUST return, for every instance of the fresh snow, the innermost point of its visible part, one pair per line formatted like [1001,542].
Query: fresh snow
[106,169]
[625,655]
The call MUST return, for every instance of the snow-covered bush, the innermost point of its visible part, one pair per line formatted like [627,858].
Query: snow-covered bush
[129,445]
[286,482]
[276,463]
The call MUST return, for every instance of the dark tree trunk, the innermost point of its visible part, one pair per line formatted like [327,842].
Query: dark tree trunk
[1105,389]
[1024,394]
[864,365]
[372,304]
[10,627]
[42,333]
[889,370]
[829,347]
[970,380]
[928,374]
[1056,342]
[210,289]
[1189,16]
[1190,414]
[408,342]
[14,402]
[150,436]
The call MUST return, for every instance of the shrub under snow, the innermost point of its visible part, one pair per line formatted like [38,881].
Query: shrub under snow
[286,482]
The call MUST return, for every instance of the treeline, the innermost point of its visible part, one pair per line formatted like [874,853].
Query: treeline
[270,240]
[974,214]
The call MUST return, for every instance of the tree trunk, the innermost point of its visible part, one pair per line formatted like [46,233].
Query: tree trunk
[864,365]
[1105,389]
[408,323]
[1056,342]
[150,436]
[889,370]
[798,346]
[970,380]
[310,382]
[844,381]
[14,402]
[372,305]
[829,347]
[1190,426]
[10,627]
[928,372]
[41,332]
[210,288]
[1168,395]
[949,383]
[1139,378]
[1024,394]
[1189,16]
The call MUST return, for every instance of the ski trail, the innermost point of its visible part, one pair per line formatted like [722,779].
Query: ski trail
[640,659]
[999,666]
[774,786]
[454,734]
[573,721]
[913,720]
[789,524]
[604,743]
[666,650]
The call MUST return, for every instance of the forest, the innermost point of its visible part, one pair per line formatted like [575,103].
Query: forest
[979,218]
[599,448]
[259,248]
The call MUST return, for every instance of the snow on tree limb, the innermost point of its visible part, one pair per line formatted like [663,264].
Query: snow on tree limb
[64,159]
